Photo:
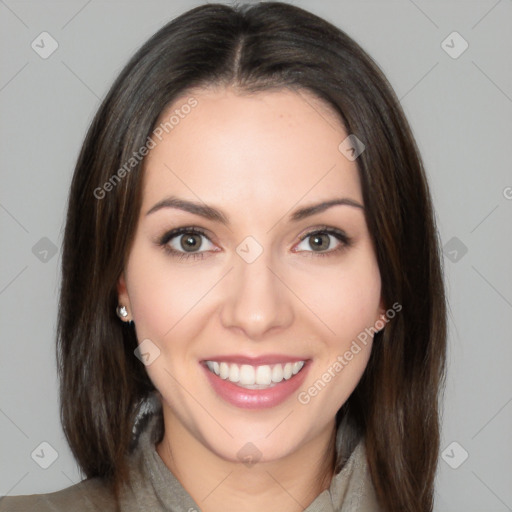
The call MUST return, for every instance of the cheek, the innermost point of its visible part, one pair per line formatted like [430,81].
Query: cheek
[151,298]
[164,299]
[345,298]
[161,293]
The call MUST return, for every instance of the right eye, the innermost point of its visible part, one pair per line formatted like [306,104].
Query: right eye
[184,242]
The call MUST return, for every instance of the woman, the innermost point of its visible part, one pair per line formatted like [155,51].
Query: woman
[252,311]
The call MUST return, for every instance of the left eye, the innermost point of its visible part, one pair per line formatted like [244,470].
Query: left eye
[322,241]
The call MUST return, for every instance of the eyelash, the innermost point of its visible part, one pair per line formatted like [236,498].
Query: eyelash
[167,237]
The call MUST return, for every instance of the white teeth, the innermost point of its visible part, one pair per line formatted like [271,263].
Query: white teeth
[277,373]
[224,370]
[247,376]
[255,377]
[297,367]
[263,375]
[234,373]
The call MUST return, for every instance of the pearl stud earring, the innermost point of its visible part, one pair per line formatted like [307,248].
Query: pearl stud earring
[121,312]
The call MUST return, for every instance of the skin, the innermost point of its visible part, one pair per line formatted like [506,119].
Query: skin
[257,158]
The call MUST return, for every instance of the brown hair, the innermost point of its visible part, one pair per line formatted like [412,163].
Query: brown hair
[255,48]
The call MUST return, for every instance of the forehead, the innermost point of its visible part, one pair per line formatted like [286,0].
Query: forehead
[268,148]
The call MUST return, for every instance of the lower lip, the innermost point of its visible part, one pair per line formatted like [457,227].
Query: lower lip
[256,398]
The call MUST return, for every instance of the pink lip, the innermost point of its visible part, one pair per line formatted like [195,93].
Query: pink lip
[256,361]
[256,398]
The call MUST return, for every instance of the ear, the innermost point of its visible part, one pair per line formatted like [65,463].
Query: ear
[122,292]
[382,312]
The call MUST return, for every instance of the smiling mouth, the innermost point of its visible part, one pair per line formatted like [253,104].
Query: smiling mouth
[255,377]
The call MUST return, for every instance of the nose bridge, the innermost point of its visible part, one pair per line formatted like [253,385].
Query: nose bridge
[256,299]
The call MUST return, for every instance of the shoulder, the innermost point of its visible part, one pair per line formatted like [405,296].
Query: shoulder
[93,494]
[88,495]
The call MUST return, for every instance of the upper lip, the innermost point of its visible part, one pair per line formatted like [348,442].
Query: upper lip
[256,361]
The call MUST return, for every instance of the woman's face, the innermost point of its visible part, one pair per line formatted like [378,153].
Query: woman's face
[269,290]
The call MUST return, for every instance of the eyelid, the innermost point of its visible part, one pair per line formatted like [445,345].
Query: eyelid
[173,233]
[321,228]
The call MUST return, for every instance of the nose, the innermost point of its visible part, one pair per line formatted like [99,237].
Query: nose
[257,300]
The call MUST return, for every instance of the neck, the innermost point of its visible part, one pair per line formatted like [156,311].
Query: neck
[289,484]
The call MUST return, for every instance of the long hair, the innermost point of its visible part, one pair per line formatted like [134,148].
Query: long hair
[254,48]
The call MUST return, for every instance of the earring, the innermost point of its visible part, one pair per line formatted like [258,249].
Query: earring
[121,312]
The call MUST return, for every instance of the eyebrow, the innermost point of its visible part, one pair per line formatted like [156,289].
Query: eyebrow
[210,213]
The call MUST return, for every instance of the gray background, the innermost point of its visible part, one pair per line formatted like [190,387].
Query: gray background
[460,112]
